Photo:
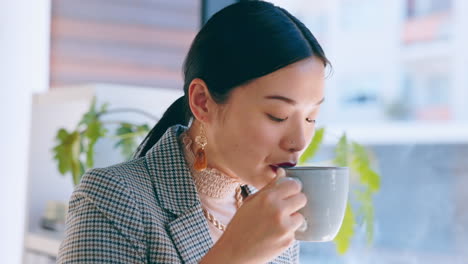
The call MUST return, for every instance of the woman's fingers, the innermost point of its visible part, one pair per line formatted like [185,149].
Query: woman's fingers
[286,187]
[297,221]
[295,203]
[280,174]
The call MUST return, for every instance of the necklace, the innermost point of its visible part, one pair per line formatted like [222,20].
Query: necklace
[213,219]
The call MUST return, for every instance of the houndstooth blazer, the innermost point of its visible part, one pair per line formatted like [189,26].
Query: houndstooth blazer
[145,210]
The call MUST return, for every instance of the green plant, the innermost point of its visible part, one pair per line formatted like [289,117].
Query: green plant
[74,151]
[365,182]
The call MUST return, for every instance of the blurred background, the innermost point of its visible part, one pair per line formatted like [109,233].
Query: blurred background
[399,86]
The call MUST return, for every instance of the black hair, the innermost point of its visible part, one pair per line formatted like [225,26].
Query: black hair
[238,44]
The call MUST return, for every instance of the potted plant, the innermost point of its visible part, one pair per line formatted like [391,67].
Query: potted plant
[74,153]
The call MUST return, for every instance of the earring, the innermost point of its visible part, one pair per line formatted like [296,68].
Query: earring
[200,157]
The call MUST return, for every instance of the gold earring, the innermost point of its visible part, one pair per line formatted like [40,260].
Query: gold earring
[200,157]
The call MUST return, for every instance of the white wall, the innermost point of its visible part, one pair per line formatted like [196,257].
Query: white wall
[23,69]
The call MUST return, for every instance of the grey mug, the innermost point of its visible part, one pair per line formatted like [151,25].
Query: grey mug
[326,189]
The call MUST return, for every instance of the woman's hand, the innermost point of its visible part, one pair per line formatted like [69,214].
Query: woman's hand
[264,226]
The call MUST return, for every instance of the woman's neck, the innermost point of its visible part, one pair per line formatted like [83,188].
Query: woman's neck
[210,181]
[210,151]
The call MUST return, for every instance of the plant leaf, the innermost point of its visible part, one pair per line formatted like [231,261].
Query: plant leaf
[346,233]
[94,131]
[127,134]
[75,157]
[62,151]
[370,181]
[313,147]
[366,209]
[104,107]
[91,115]
[124,128]
[342,152]
[143,128]
[361,164]
[62,134]
[128,146]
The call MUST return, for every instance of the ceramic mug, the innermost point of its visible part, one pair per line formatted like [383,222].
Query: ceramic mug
[326,189]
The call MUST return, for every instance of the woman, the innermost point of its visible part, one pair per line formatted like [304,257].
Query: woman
[254,78]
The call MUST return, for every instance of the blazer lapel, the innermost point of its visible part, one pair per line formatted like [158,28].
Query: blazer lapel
[176,193]
[190,235]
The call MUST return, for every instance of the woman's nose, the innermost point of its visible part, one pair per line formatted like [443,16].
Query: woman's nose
[295,142]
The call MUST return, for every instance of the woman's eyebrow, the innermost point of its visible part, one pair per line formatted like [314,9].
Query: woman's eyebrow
[288,100]
[281,98]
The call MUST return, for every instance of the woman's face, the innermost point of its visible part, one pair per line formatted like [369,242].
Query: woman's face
[267,122]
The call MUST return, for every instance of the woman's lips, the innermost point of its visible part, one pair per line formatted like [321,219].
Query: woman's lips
[275,167]
[286,165]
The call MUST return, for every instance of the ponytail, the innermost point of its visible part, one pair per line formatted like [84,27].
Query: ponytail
[175,114]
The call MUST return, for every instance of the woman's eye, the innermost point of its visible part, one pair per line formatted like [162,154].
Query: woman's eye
[310,120]
[276,119]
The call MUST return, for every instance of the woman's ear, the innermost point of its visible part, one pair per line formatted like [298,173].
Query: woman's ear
[200,100]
